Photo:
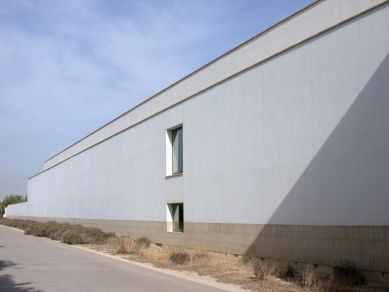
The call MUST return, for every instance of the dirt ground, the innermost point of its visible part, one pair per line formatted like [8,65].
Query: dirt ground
[227,268]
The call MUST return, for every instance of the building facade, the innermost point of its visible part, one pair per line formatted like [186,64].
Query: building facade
[277,149]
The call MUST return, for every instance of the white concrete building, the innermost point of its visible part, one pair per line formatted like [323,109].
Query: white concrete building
[277,149]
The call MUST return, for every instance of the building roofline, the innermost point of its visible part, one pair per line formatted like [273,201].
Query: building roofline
[167,101]
[194,73]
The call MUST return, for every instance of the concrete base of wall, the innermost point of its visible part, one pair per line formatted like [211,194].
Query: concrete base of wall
[368,246]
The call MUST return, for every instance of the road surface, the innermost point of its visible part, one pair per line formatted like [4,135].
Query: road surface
[29,263]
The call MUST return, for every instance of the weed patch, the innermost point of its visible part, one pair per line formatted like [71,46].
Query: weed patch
[200,257]
[122,244]
[143,242]
[347,273]
[310,280]
[289,271]
[263,271]
[179,257]
[16,223]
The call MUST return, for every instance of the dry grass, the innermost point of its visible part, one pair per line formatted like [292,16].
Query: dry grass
[142,242]
[289,271]
[179,258]
[265,271]
[347,273]
[310,281]
[16,223]
[224,268]
[122,244]
[252,274]
[246,272]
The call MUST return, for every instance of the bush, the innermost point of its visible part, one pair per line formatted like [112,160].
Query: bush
[29,229]
[200,257]
[16,223]
[43,229]
[310,280]
[143,242]
[289,271]
[179,257]
[86,239]
[346,273]
[64,232]
[264,271]
[57,235]
[122,244]
[71,237]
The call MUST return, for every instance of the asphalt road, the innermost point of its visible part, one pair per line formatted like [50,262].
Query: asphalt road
[29,263]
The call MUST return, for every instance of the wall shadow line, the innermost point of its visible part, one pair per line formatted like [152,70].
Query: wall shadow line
[343,193]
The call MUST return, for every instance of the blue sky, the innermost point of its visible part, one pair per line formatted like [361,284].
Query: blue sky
[69,67]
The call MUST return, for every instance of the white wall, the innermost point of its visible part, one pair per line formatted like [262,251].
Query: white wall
[318,17]
[299,139]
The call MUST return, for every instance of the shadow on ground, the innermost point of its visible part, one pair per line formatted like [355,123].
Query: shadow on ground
[7,282]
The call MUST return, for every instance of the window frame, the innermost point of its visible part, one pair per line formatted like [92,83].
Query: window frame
[175,211]
[170,151]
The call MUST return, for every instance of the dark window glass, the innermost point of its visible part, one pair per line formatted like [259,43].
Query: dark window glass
[177,138]
[178,217]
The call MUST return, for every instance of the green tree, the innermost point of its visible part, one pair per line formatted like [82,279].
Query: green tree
[11,199]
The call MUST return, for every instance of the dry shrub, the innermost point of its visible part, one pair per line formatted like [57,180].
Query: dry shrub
[77,234]
[29,229]
[310,280]
[174,257]
[86,238]
[64,232]
[159,257]
[141,246]
[42,229]
[246,260]
[200,256]
[121,244]
[177,255]
[264,271]
[71,237]
[142,242]
[289,271]
[16,223]
[347,273]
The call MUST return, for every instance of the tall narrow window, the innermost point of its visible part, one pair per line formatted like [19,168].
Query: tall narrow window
[174,151]
[177,151]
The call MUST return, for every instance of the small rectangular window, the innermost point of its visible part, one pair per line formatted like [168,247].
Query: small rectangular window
[175,217]
[174,151]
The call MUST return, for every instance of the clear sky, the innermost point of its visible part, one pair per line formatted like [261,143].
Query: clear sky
[68,67]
